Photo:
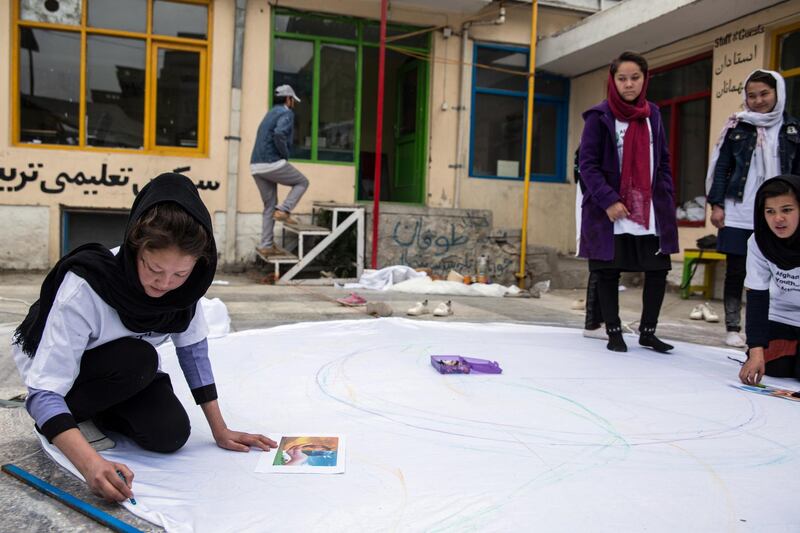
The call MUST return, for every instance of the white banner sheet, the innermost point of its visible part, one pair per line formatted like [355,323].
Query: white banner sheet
[570,437]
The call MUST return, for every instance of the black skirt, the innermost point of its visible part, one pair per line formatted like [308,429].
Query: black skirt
[733,240]
[634,253]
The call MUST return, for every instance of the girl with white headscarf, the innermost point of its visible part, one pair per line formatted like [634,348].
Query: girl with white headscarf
[755,145]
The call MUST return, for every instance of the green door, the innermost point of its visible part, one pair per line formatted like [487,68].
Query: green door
[409,134]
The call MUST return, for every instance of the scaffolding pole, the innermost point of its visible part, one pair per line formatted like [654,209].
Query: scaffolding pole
[528,144]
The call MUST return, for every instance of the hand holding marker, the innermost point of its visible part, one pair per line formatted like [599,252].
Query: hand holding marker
[122,477]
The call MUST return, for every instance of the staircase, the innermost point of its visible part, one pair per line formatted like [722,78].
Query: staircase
[343,216]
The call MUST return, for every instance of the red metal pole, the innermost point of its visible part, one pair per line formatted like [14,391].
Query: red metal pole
[376,200]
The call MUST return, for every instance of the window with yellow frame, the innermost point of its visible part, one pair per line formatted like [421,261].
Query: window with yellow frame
[111,74]
[786,60]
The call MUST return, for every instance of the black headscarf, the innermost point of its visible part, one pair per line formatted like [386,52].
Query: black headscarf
[785,253]
[116,280]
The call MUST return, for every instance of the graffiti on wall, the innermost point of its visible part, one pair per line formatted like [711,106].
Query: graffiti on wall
[14,179]
[427,239]
[445,243]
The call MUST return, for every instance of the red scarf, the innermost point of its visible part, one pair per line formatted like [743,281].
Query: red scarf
[636,186]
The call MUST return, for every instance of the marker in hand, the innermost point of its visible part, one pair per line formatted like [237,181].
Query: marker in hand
[122,477]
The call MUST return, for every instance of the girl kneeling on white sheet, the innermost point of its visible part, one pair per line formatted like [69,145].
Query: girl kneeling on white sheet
[773,283]
[86,349]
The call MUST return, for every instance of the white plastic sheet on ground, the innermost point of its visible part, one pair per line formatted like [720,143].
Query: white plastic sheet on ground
[401,278]
[216,315]
[425,285]
[384,278]
[570,437]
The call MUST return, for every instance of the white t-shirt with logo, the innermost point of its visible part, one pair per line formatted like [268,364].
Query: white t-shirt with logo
[740,214]
[626,225]
[783,285]
[80,320]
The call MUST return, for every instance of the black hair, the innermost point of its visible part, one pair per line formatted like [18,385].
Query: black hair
[776,187]
[632,57]
[167,225]
[763,77]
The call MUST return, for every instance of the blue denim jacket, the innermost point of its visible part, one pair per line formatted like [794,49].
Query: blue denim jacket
[274,136]
[736,152]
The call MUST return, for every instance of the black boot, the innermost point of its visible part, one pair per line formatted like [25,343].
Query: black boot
[615,341]
[647,337]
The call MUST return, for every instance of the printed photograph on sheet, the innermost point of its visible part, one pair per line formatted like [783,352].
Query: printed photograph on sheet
[772,391]
[305,454]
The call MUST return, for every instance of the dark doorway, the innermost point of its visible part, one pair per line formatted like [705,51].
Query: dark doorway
[404,127]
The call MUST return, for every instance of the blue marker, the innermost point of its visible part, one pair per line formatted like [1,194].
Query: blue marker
[122,477]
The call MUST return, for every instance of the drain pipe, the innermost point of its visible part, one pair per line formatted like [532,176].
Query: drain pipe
[234,135]
[463,95]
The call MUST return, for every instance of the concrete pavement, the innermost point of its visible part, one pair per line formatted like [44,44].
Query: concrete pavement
[252,305]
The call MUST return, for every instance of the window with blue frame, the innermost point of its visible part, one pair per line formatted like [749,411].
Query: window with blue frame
[499,107]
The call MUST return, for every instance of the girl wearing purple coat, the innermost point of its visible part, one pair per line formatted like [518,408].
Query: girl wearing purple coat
[628,212]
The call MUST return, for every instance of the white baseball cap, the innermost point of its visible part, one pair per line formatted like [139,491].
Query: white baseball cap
[286,90]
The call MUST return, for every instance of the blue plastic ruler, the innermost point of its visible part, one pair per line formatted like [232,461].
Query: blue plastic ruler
[69,500]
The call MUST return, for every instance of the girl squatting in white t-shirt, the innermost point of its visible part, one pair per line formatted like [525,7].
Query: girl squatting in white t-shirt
[86,350]
[773,283]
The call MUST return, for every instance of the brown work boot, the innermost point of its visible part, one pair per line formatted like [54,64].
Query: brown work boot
[283,216]
[270,250]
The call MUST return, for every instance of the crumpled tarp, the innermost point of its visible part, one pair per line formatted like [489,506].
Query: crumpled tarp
[570,437]
[425,285]
[383,279]
[217,318]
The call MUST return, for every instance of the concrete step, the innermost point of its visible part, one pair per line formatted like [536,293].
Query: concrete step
[563,271]
[306,229]
[287,258]
[571,273]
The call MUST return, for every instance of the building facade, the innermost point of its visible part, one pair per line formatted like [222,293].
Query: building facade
[103,96]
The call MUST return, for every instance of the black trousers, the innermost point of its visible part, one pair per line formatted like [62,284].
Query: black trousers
[120,389]
[735,272]
[655,284]
[594,315]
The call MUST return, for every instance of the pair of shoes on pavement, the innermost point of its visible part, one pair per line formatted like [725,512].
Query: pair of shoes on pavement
[354,300]
[283,216]
[735,339]
[704,312]
[421,308]
[270,250]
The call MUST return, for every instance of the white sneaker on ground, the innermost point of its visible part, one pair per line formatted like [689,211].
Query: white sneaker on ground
[443,309]
[597,333]
[708,313]
[735,339]
[697,312]
[420,308]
